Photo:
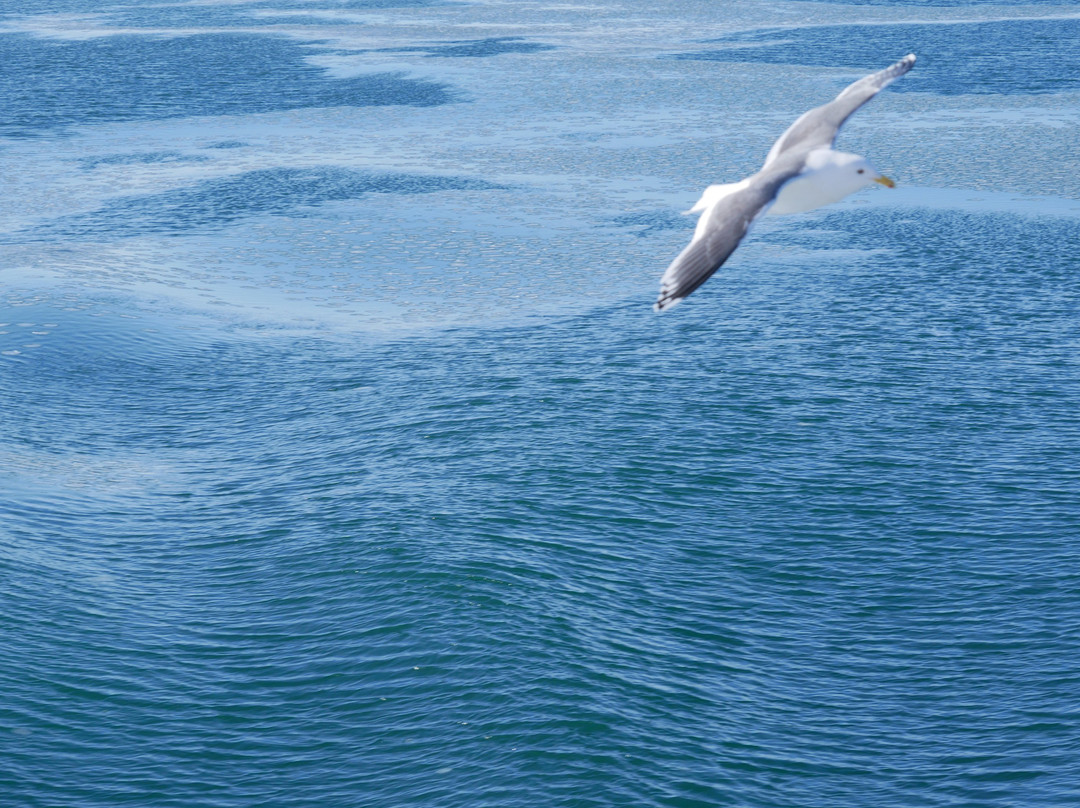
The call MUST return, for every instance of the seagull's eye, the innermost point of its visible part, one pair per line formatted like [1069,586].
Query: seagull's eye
[862,170]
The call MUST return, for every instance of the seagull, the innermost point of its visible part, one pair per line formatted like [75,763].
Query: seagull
[802,172]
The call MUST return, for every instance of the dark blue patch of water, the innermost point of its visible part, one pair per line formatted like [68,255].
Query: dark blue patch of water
[476,48]
[655,221]
[1013,56]
[138,158]
[217,203]
[248,15]
[121,78]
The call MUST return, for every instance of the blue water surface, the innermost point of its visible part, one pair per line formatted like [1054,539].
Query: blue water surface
[1017,55]
[117,78]
[344,463]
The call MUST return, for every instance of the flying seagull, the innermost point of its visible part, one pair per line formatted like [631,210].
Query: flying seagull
[801,172]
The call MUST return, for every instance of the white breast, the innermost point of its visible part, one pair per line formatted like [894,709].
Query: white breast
[829,176]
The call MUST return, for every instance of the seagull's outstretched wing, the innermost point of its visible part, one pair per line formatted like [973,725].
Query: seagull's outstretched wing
[818,127]
[728,221]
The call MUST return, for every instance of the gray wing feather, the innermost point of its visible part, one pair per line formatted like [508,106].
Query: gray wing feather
[818,127]
[729,221]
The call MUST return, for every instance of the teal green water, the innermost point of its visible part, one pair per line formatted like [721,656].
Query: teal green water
[344,463]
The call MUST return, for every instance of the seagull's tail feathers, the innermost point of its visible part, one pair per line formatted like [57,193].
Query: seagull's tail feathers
[713,194]
[709,200]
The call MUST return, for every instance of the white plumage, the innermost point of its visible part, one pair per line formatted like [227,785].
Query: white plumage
[801,172]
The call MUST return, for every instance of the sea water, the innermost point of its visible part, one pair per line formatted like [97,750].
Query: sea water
[344,463]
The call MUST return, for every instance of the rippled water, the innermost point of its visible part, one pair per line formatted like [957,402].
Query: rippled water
[344,462]
[960,57]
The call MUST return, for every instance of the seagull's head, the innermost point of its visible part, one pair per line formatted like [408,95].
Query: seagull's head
[860,171]
[842,173]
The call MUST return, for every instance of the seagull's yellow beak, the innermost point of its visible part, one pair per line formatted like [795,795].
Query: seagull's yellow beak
[885,181]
